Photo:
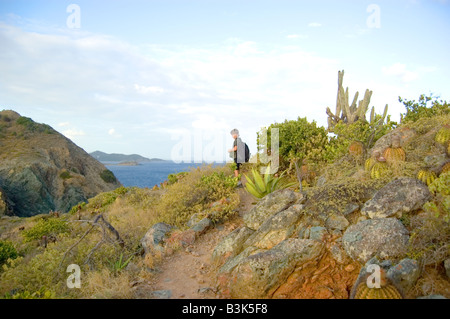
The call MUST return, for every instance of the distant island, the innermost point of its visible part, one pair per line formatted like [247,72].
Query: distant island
[123,158]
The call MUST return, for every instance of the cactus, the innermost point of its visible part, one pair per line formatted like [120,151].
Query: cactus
[395,152]
[386,290]
[443,135]
[379,169]
[350,113]
[356,149]
[426,176]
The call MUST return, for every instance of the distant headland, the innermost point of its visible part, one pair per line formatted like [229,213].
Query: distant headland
[124,159]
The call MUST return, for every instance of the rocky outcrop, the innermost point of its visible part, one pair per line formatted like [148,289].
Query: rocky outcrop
[269,205]
[41,170]
[383,237]
[400,196]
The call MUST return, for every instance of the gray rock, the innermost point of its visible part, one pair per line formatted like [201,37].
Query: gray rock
[447,267]
[195,218]
[154,237]
[405,273]
[276,228]
[231,245]
[317,233]
[268,206]
[202,226]
[336,221]
[383,237]
[338,253]
[403,195]
[260,274]
[161,294]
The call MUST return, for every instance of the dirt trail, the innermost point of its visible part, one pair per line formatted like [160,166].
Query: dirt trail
[188,273]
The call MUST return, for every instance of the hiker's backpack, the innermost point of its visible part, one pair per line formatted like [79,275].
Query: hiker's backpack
[247,153]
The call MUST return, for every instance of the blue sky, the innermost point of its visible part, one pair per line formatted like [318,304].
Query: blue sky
[170,79]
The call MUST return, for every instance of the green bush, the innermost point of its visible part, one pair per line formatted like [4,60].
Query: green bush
[7,251]
[108,176]
[32,126]
[417,110]
[440,205]
[65,175]
[299,139]
[47,227]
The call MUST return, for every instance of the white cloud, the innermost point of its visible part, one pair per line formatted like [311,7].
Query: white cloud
[148,89]
[73,133]
[399,70]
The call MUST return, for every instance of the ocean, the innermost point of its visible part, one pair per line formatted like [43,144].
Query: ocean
[149,174]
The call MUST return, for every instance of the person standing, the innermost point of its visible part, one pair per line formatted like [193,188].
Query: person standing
[238,150]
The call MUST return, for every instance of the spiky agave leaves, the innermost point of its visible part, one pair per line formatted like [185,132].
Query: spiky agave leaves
[261,186]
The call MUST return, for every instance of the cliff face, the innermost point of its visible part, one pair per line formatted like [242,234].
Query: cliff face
[42,170]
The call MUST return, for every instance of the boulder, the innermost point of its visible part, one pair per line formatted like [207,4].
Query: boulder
[400,196]
[317,233]
[268,206]
[231,245]
[276,228]
[202,226]
[447,267]
[154,238]
[383,237]
[405,273]
[336,221]
[260,274]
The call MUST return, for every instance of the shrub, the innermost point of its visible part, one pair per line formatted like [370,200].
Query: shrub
[7,251]
[417,110]
[65,175]
[46,227]
[108,176]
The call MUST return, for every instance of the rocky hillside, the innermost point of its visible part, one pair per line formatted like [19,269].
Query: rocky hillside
[41,170]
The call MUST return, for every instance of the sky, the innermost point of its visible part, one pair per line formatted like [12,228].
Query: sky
[170,79]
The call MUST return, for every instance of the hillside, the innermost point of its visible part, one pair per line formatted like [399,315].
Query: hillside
[115,157]
[41,170]
[317,232]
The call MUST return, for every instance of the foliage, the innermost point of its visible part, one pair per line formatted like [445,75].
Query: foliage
[261,186]
[365,132]
[420,109]
[120,264]
[173,178]
[298,139]
[108,176]
[103,200]
[440,188]
[195,193]
[7,251]
[46,227]
[32,126]
[65,175]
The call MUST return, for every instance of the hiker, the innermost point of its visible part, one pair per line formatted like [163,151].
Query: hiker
[240,151]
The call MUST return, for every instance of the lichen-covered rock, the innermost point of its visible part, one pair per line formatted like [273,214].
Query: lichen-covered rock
[260,274]
[202,226]
[447,267]
[154,238]
[405,273]
[276,228]
[231,245]
[399,196]
[336,221]
[317,233]
[268,206]
[383,237]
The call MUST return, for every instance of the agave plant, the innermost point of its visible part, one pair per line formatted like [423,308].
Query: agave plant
[261,186]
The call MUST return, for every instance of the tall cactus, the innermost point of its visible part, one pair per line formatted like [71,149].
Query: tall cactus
[348,113]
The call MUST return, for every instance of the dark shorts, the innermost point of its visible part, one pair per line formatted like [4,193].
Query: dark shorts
[238,165]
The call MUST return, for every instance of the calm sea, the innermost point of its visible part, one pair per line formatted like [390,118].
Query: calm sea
[149,174]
